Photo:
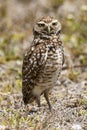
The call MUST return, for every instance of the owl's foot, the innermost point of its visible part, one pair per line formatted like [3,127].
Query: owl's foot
[33,110]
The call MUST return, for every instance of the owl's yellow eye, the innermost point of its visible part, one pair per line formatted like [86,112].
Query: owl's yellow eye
[41,24]
[54,23]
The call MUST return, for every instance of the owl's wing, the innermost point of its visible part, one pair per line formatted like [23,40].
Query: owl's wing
[62,51]
[34,61]
[63,58]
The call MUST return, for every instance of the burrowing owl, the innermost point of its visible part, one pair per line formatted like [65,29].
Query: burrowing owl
[42,61]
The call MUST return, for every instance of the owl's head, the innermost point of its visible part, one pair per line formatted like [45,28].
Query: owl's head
[47,26]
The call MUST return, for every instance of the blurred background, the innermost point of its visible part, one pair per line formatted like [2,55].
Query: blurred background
[17,18]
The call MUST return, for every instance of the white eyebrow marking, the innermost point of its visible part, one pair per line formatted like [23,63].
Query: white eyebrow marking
[54,21]
[41,22]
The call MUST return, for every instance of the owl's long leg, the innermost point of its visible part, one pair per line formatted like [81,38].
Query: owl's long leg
[38,101]
[47,98]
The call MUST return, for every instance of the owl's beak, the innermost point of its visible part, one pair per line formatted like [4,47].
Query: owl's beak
[48,29]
